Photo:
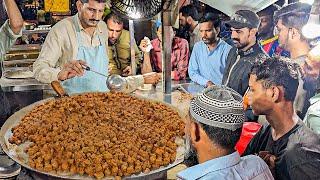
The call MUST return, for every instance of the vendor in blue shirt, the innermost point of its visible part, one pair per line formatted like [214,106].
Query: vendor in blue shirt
[214,128]
[208,57]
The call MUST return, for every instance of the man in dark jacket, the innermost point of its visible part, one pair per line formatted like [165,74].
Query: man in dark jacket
[247,52]
[244,26]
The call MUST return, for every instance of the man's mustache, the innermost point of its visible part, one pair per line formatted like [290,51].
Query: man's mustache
[95,20]
[235,39]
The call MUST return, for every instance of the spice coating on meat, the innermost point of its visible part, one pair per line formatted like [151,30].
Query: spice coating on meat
[100,134]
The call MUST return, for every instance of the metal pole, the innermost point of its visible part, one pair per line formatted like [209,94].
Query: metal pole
[132,51]
[166,52]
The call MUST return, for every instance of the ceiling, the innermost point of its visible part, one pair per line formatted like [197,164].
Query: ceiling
[229,7]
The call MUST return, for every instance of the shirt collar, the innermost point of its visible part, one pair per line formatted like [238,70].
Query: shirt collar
[200,170]
[315,98]
[255,49]
[218,44]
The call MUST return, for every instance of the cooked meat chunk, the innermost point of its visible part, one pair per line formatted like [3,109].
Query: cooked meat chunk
[100,134]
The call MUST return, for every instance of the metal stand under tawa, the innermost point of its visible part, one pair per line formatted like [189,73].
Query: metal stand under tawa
[8,168]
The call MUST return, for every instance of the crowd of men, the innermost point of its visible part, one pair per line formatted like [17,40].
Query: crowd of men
[279,74]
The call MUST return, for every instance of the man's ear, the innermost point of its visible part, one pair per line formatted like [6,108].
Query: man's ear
[189,19]
[79,5]
[195,132]
[217,30]
[277,94]
[295,33]
[253,31]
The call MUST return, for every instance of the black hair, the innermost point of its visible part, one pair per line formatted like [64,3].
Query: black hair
[269,11]
[189,10]
[211,17]
[278,71]
[115,18]
[294,15]
[225,138]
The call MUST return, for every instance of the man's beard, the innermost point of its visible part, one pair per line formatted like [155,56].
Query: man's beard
[186,27]
[191,157]
[110,43]
[239,45]
[209,41]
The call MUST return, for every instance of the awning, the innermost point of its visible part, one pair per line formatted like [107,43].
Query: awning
[229,7]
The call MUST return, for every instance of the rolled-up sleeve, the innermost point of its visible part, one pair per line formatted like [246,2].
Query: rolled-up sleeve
[44,67]
[194,71]
[133,82]
[7,37]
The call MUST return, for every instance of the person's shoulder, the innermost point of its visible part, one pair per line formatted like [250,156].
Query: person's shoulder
[262,52]
[199,45]
[179,39]
[224,43]
[265,128]
[258,56]
[180,42]
[252,166]
[253,160]
[303,141]
[62,27]
[264,131]
[303,152]
[303,137]
[125,32]
[64,23]
[124,37]
[103,27]
[314,109]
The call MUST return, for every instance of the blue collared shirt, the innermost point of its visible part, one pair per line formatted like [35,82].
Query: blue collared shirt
[208,65]
[230,167]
